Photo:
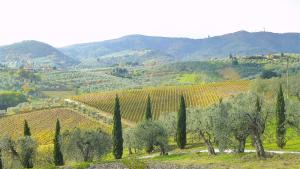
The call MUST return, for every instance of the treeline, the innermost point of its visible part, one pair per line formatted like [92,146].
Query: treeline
[11,99]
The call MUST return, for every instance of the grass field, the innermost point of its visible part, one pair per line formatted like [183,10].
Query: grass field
[42,123]
[231,161]
[164,99]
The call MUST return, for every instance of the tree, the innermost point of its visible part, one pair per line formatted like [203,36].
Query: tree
[26,129]
[280,119]
[131,141]
[57,154]
[248,117]
[222,128]
[117,137]
[257,124]
[201,123]
[11,99]
[151,133]
[8,145]
[181,124]
[1,163]
[148,114]
[170,123]
[239,123]
[86,144]
[27,149]
[267,74]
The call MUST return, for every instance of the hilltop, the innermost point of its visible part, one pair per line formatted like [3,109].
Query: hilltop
[34,54]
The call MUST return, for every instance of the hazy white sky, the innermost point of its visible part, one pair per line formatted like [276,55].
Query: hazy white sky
[64,22]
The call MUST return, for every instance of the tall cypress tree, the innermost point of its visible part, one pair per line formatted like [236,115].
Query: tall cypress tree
[181,124]
[117,131]
[26,129]
[280,119]
[1,163]
[148,114]
[57,154]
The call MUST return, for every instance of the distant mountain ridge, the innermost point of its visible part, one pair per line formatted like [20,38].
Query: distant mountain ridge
[151,49]
[34,54]
[238,43]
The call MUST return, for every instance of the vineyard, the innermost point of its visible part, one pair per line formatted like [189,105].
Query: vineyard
[164,99]
[42,124]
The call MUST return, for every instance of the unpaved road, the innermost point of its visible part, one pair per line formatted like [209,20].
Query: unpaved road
[217,151]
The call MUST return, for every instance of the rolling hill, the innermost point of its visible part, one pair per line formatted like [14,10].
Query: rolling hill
[34,54]
[164,99]
[238,43]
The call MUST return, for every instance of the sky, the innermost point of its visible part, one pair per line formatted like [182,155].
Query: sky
[65,22]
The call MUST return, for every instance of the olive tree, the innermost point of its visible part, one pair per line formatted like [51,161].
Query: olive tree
[131,141]
[239,122]
[22,153]
[152,133]
[221,125]
[86,144]
[170,123]
[249,108]
[200,121]
[27,151]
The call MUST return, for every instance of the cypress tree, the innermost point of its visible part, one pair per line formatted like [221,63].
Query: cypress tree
[57,154]
[148,114]
[26,129]
[117,131]
[280,119]
[181,124]
[1,163]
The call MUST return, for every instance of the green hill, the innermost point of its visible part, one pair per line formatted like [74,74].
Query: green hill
[34,54]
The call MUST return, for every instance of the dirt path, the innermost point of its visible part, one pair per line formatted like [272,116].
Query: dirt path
[217,151]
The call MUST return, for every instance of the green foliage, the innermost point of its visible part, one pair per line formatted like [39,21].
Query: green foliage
[148,114]
[200,122]
[234,61]
[11,99]
[117,131]
[27,75]
[150,133]
[85,144]
[120,72]
[222,126]
[181,124]
[26,129]
[239,123]
[57,154]
[280,119]
[27,150]
[134,163]
[267,74]
[1,163]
